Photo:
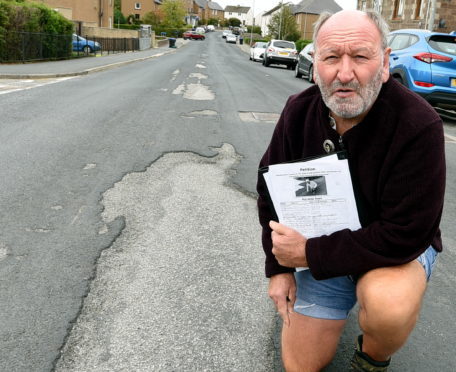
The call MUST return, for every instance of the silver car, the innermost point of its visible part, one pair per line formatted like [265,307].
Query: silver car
[304,67]
[281,52]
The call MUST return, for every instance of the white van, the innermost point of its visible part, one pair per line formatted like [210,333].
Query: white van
[200,30]
[210,27]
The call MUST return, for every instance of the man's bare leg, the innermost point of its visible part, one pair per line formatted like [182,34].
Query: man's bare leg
[309,344]
[390,301]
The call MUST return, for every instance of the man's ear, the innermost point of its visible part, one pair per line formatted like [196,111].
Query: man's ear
[386,65]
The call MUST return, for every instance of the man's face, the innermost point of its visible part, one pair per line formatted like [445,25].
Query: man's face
[350,65]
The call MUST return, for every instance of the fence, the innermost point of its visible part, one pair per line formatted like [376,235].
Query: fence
[30,46]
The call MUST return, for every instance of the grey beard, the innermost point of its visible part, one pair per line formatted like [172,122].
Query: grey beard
[353,107]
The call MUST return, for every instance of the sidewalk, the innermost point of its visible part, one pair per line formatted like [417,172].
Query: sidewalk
[80,66]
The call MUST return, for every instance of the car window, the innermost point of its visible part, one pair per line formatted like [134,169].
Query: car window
[284,44]
[402,41]
[443,43]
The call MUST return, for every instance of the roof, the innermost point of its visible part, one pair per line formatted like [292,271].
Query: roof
[200,3]
[270,11]
[316,6]
[237,9]
[214,5]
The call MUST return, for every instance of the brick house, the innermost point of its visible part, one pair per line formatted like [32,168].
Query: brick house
[307,12]
[215,11]
[139,8]
[414,13]
[95,13]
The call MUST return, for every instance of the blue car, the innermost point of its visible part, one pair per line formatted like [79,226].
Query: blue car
[83,45]
[425,62]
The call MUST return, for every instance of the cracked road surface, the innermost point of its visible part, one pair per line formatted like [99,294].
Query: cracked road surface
[177,287]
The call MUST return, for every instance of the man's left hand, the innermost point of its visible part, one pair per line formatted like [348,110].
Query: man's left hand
[288,245]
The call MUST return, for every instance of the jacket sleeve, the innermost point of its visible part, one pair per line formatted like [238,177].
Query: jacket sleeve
[410,199]
[275,153]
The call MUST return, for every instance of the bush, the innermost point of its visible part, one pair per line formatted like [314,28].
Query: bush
[17,17]
[301,44]
[256,29]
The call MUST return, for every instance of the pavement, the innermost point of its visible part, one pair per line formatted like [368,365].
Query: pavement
[81,66]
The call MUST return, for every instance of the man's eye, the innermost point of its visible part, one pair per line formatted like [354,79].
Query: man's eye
[330,58]
[361,57]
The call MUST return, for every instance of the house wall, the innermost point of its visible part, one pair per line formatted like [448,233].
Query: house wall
[444,13]
[305,24]
[98,13]
[127,7]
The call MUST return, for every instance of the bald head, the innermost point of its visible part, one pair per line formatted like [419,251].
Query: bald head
[352,21]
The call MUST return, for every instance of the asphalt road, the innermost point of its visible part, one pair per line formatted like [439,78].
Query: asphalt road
[129,238]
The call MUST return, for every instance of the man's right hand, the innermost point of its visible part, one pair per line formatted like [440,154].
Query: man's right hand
[282,290]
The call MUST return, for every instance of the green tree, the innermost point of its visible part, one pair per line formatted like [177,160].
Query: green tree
[119,18]
[213,21]
[174,13]
[235,22]
[153,18]
[283,25]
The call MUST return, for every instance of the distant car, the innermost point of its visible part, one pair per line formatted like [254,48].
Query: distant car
[231,38]
[201,30]
[304,67]
[210,28]
[193,35]
[425,62]
[226,32]
[83,45]
[280,52]
[257,51]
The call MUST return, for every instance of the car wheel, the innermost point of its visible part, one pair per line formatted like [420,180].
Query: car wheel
[87,49]
[398,79]
[297,73]
[310,78]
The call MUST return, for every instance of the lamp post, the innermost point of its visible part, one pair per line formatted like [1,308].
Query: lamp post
[280,21]
[253,22]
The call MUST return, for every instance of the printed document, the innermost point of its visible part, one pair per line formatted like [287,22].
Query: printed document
[314,197]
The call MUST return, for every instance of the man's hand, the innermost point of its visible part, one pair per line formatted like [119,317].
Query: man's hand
[288,246]
[282,290]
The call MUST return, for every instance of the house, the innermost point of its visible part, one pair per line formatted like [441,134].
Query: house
[215,11]
[139,8]
[307,12]
[243,13]
[94,13]
[266,17]
[424,14]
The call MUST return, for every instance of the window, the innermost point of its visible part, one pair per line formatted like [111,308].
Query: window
[402,41]
[398,9]
[378,6]
[136,16]
[137,5]
[418,9]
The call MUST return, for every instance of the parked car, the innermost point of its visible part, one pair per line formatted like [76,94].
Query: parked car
[83,45]
[193,35]
[425,62]
[304,66]
[201,30]
[210,28]
[226,32]
[231,38]
[257,51]
[280,52]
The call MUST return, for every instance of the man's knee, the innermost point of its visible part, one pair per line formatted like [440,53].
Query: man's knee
[391,302]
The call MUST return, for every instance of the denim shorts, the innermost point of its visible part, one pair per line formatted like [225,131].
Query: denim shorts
[334,298]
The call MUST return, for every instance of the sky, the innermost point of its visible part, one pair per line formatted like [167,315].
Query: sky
[262,5]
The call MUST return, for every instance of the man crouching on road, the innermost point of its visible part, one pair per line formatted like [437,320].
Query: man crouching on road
[395,146]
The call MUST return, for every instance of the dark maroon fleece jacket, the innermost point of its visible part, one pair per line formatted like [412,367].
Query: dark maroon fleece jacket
[397,163]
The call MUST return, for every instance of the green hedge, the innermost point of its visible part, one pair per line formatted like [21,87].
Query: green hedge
[17,18]
[301,44]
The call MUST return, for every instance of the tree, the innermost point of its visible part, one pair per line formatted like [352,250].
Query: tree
[174,13]
[283,25]
[235,22]
[153,18]
[119,17]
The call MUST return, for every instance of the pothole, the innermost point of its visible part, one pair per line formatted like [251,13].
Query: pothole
[258,117]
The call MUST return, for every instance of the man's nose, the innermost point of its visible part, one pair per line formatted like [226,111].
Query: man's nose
[346,72]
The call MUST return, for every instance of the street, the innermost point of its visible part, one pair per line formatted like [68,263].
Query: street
[129,237]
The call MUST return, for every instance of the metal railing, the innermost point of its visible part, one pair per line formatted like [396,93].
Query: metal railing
[20,46]
[17,46]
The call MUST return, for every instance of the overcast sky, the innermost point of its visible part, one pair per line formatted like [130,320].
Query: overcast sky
[262,5]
